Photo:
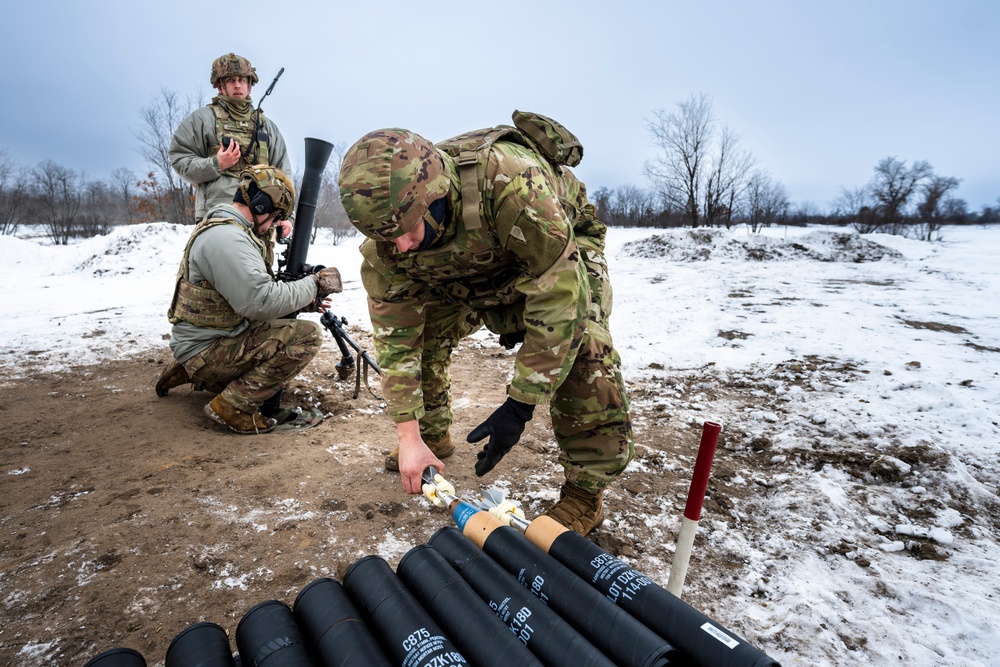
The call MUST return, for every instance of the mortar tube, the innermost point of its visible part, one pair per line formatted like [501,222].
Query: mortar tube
[544,632]
[620,637]
[317,155]
[702,640]
[482,637]
[267,636]
[200,645]
[408,633]
[333,627]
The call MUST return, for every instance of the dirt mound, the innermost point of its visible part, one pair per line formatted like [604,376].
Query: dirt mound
[696,245]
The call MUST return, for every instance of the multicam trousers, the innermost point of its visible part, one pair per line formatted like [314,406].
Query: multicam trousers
[589,410]
[254,364]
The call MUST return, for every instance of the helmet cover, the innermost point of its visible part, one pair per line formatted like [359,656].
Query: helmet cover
[272,182]
[388,179]
[232,65]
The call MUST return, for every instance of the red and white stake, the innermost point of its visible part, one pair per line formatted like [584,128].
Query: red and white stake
[692,511]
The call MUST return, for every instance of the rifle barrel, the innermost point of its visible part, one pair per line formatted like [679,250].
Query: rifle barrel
[271,87]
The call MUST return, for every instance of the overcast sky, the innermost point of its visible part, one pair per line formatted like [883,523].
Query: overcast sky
[819,92]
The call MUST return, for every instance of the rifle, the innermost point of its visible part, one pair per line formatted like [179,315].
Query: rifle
[252,149]
[292,263]
[271,87]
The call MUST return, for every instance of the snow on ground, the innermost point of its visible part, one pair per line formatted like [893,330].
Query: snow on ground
[873,361]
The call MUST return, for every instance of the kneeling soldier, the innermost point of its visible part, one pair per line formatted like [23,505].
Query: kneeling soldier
[226,309]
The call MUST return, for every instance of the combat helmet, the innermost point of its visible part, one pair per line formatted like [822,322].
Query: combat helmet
[265,189]
[232,65]
[388,179]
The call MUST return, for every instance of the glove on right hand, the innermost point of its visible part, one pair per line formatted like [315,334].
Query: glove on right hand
[504,427]
[327,282]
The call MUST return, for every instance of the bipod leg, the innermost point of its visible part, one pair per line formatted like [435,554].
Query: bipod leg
[357,376]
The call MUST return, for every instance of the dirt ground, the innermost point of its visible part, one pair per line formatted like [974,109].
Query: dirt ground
[127,517]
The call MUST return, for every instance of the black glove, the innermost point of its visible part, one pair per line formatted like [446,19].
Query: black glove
[504,427]
[510,340]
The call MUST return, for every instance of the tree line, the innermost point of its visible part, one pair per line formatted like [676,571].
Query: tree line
[700,176]
[67,204]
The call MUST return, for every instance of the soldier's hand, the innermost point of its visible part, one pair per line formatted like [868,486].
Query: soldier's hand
[327,282]
[283,229]
[228,156]
[504,427]
[326,303]
[413,460]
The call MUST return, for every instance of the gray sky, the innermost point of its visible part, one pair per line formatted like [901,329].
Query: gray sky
[819,92]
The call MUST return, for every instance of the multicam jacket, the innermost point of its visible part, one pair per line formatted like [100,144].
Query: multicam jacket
[193,153]
[520,270]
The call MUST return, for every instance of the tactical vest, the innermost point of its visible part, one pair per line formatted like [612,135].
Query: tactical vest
[201,304]
[243,132]
[473,268]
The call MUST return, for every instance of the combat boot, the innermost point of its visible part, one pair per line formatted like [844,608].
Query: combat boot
[236,420]
[172,376]
[578,510]
[442,449]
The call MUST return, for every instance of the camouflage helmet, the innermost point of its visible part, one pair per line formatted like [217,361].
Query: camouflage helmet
[388,178]
[272,182]
[232,65]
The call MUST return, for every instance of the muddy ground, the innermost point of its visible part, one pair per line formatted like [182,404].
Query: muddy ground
[126,517]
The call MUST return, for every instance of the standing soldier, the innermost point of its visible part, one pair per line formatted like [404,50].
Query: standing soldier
[490,228]
[197,151]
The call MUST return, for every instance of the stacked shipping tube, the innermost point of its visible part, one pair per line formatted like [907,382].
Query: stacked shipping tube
[483,594]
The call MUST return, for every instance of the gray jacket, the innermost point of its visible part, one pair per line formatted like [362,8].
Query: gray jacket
[227,258]
[193,155]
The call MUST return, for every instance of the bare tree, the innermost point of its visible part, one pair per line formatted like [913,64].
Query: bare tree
[990,214]
[857,206]
[683,139]
[628,206]
[172,196]
[726,179]
[806,213]
[633,206]
[601,199]
[13,193]
[893,187]
[125,185]
[931,211]
[99,209]
[56,193]
[955,210]
[764,202]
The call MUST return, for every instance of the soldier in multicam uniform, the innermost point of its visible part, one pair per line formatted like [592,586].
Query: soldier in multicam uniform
[196,151]
[512,244]
[226,306]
